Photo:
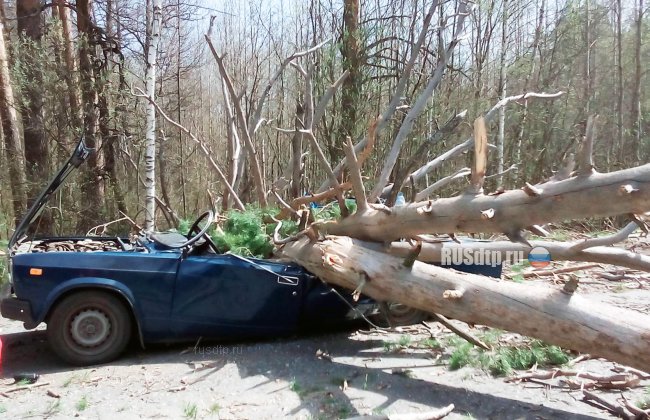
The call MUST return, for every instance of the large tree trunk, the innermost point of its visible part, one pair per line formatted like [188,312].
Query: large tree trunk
[565,319]
[583,196]
[11,133]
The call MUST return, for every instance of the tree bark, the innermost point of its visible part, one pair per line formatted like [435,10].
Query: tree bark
[597,195]
[150,134]
[30,27]
[11,134]
[70,76]
[351,88]
[502,92]
[92,185]
[635,100]
[568,320]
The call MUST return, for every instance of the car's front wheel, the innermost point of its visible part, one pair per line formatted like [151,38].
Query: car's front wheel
[89,327]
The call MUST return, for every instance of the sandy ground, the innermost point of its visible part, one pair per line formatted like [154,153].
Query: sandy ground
[286,378]
[276,379]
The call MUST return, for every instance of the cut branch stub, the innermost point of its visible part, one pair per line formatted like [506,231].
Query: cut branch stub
[532,190]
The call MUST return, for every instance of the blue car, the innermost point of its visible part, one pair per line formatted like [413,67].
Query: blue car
[159,287]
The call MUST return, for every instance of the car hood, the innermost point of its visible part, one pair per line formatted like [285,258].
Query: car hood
[79,156]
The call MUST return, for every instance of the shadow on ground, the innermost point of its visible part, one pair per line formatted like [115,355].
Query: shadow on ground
[319,383]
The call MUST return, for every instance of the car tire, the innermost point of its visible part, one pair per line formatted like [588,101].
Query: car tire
[89,328]
[398,315]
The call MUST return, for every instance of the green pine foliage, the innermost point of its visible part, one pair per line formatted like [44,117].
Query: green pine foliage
[244,233]
[247,233]
[505,360]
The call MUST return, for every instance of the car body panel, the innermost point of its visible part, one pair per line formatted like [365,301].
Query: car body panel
[235,296]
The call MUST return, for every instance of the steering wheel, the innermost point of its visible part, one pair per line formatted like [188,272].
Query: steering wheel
[201,232]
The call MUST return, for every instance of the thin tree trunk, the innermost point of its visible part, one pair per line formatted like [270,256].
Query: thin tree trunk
[150,136]
[524,117]
[70,77]
[30,27]
[92,186]
[502,93]
[109,136]
[635,115]
[619,88]
[586,75]
[350,90]
[11,134]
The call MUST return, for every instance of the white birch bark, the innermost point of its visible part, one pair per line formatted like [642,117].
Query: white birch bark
[150,136]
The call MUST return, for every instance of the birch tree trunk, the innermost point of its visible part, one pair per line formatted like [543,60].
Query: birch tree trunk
[150,134]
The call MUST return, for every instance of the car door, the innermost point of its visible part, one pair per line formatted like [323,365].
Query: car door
[224,296]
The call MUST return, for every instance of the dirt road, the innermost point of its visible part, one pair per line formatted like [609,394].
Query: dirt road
[282,378]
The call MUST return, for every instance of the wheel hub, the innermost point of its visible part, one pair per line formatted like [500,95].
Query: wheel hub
[90,328]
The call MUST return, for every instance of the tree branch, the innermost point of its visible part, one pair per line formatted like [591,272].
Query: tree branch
[201,144]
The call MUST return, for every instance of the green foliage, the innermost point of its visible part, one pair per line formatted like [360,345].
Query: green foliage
[461,356]
[190,411]
[245,233]
[184,226]
[332,211]
[430,343]
[504,360]
[644,403]
[248,233]
[82,404]
[402,343]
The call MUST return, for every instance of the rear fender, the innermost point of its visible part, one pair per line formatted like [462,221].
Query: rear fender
[91,283]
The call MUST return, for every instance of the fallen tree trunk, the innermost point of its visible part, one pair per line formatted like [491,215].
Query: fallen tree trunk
[565,319]
[432,252]
[597,250]
[579,197]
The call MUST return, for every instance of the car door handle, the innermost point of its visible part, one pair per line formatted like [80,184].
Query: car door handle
[288,280]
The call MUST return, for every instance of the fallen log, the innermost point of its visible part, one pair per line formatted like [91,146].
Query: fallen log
[432,252]
[568,320]
[583,196]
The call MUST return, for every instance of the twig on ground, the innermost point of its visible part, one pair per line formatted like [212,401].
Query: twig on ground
[562,270]
[617,410]
[466,336]
[24,387]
